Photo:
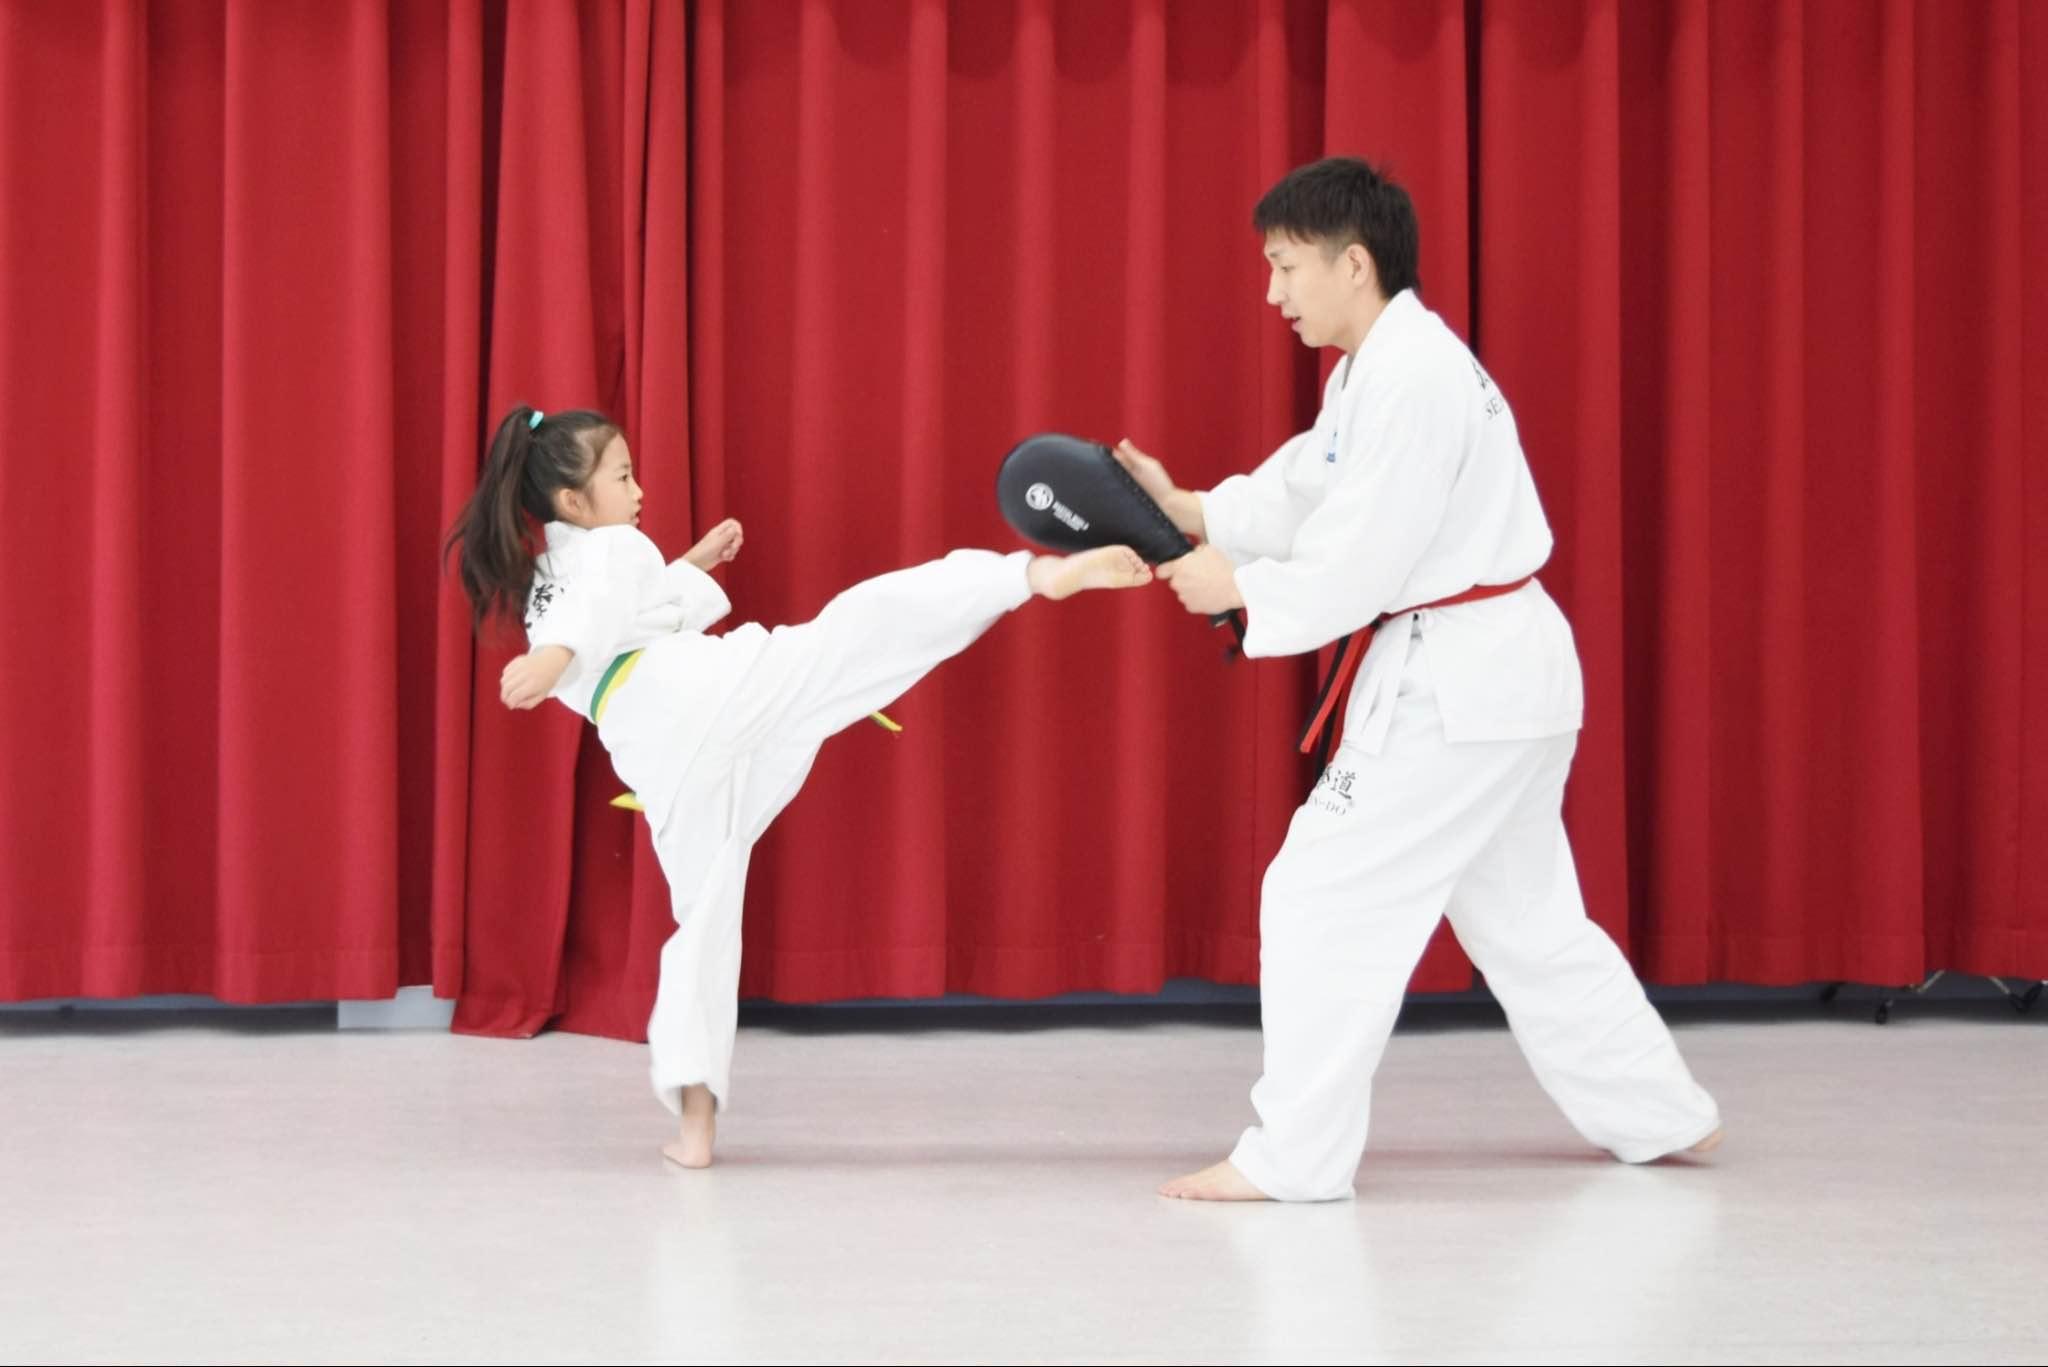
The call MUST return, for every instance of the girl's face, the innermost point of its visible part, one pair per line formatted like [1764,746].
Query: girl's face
[610,497]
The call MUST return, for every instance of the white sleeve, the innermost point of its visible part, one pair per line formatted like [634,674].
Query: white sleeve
[1255,516]
[588,611]
[1355,550]
[703,601]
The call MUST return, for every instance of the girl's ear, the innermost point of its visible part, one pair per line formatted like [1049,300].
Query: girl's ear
[568,504]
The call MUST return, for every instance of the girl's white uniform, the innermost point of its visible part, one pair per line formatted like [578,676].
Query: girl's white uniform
[717,733]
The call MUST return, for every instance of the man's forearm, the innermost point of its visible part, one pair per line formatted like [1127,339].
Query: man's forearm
[1185,509]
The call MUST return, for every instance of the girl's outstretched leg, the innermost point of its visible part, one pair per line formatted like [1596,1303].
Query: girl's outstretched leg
[875,640]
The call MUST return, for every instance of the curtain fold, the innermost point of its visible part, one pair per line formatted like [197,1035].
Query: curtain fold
[1761,281]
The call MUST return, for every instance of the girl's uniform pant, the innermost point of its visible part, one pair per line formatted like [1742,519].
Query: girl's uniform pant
[868,646]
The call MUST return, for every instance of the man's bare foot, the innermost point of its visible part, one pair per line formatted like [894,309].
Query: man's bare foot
[1105,567]
[692,1148]
[1219,1183]
[1705,1146]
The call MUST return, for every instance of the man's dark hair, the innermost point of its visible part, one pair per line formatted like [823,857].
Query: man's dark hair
[1341,200]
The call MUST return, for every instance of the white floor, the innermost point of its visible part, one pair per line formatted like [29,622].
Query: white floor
[977,1185]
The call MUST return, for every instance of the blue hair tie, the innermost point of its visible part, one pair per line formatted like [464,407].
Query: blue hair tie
[533,423]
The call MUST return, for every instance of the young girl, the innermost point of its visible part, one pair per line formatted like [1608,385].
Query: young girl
[715,734]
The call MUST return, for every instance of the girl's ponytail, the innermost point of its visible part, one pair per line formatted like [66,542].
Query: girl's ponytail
[531,456]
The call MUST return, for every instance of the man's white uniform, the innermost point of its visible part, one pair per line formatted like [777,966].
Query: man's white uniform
[1445,793]
[717,733]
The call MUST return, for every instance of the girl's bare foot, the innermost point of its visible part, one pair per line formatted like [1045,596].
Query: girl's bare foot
[1106,567]
[692,1148]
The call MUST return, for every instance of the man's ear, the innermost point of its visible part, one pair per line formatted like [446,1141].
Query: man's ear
[1363,271]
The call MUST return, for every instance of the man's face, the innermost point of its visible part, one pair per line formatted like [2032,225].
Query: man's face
[1316,288]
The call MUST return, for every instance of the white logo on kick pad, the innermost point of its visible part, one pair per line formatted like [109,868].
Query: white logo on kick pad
[1039,497]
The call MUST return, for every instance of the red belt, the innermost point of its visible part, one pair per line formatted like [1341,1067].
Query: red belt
[1351,649]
